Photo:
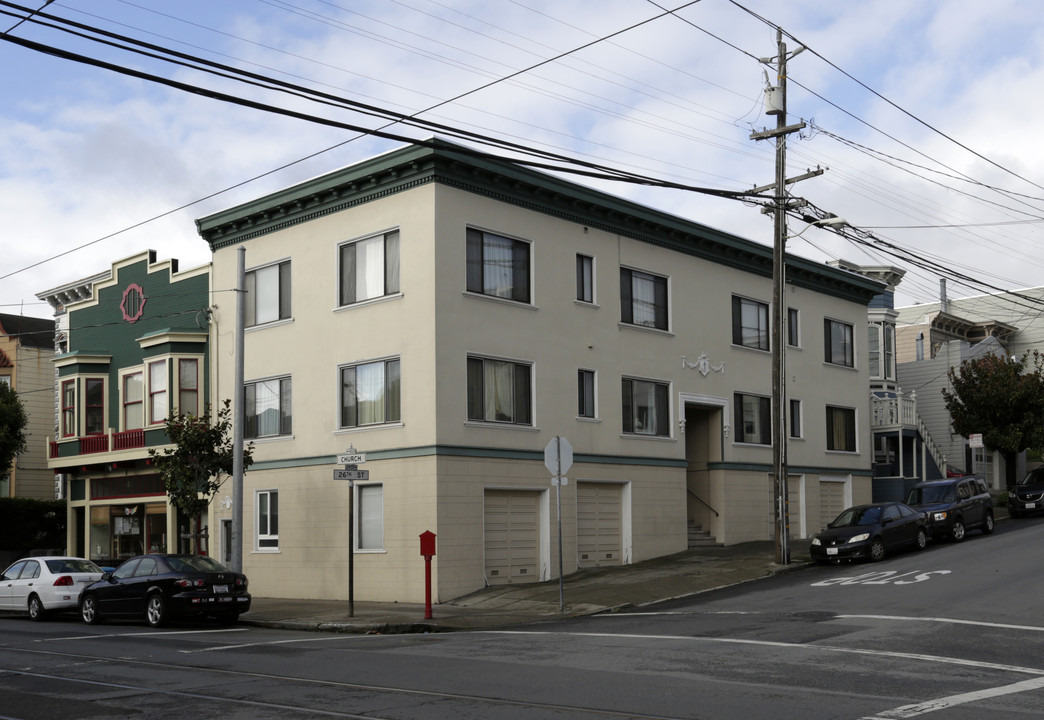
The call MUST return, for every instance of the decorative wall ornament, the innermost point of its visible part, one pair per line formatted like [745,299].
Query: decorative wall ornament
[133,303]
[703,365]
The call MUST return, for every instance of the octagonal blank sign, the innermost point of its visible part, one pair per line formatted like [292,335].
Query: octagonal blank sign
[558,455]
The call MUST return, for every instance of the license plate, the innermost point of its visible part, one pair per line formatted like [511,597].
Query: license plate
[831,551]
[1030,506]
[221,588]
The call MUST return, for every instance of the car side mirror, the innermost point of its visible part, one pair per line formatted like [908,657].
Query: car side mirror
[107,576]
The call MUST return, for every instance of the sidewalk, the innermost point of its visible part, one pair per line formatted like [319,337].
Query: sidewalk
[586,592]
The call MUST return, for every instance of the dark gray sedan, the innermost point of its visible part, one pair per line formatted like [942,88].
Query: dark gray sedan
[870,531]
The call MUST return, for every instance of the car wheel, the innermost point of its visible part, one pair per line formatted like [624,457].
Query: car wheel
[36,608]
[89,610]
[155,610]
[1012,512]
[877,550]
[957,531]
[987,525]
[228,618]
[922,539]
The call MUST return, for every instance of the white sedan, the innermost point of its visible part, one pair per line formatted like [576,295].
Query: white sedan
[40,585]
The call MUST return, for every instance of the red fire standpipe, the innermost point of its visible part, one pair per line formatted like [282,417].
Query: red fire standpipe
[427,549]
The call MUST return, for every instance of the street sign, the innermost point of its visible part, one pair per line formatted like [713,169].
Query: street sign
[975,440]
[353,459]
[558,455]
[354,475]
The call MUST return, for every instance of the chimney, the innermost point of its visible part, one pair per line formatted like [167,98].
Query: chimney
[944,303]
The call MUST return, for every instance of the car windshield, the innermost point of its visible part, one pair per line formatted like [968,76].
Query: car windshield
[858,516]
[931,494]
[195,563]
[72,565]
[1034,477]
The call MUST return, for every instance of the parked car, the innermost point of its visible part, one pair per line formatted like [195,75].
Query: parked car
[870,531]
[158,587]
[1028,494]
[954,506]
[46,584]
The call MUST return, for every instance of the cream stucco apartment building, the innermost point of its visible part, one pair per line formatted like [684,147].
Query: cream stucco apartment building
[449,314]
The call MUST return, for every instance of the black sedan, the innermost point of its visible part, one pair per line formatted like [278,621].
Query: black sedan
[869,531]
[160,587]
[1028,494]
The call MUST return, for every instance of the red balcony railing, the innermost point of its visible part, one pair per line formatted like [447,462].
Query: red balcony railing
[94,444]
[128,439]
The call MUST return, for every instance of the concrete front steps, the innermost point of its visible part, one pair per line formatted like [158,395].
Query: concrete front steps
[698,537]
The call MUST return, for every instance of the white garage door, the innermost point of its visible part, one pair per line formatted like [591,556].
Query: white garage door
[831,501]
[599,523]
[512,536]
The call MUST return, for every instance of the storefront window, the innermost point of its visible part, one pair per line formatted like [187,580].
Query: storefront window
[122,531]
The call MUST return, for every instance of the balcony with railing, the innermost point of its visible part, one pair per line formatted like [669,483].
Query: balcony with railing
[93,444]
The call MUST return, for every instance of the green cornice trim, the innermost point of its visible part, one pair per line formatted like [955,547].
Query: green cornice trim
[469,452]
[791,469]
[453,166]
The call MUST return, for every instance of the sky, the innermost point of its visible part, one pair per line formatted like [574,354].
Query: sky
[922,116]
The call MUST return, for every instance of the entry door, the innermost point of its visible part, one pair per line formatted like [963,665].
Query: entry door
[512,525]
[599,523]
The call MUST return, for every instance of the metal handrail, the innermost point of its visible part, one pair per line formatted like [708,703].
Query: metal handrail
[703,502]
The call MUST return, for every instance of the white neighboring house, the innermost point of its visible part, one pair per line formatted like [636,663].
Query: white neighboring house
[933,337]
[448,314]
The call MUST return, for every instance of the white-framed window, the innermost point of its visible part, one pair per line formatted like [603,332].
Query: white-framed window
[188,386]
[5,380]
[881,347]
[793,327]
[750,324]
[646,409]
[643,299]
[132,396]
[585,278]
[795,426]
[497,266]
[500,391]
[267,519]
[158,399]
[268,294]
[371,393]
[368,268]
[755,419]
[838,343]
[369,517]
[68,400]
[269,408]
[841,429]
[586,407]
[94,406]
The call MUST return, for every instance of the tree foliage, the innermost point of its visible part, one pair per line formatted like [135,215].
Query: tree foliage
[1003,399]
[201,459]
[13,421]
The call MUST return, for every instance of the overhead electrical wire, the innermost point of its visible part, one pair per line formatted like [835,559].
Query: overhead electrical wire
[595,170]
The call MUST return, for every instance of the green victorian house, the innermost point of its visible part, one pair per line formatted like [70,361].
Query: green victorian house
[136,350]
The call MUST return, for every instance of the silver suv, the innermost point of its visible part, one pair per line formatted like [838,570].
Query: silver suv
[953,506]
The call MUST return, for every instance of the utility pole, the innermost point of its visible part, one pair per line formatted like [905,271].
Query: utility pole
[776,104]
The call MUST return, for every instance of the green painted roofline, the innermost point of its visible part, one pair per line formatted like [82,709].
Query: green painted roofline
[439,161]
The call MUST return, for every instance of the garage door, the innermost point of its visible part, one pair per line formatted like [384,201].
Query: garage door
[794,510]
[599,523]
[512,536]
[831,501]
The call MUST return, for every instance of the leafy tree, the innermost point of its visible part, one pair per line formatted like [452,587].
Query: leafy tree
[1002,398]
[13,421]
[200,461]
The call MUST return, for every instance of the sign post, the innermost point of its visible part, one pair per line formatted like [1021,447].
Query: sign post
[351,459]
[427,549]
[558,458]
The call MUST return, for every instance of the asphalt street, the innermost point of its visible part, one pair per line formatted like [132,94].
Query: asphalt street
[952,632]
